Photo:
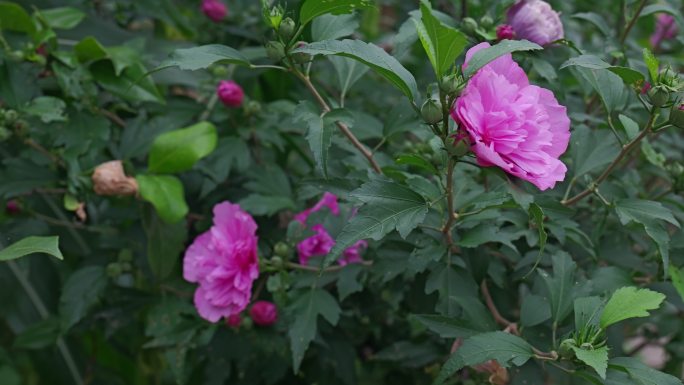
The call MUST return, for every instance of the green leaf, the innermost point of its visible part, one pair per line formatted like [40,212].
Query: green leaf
[14,18]
[537,216]
[261,204]
[591,149]
[203,57]
[596,358]
[446,327]
[166,194]
[608,85]
[89,50]
[47,108]
[348,282]
[442,43]
[179,150]
[587,312]
[311,9]
[388,206]
[662,8]
[677,276]
[319,135]
[642,374]
[652,64]
[39,335]
[371,55]
[165,243]
[348,71]
[131,85]
[306,310]
[332,27]
[630,302]
[649,214]
[631,127]
[63,17]
[595,19]
[30,245]
[418,161]
[560,286]
[81,291]
[483,57]
[628,75]
[502,347]
[534,310]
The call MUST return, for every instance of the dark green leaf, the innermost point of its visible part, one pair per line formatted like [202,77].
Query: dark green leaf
[677,276]
[203,57]
[179,150]
[560,286]
[166,194]
[418,161]
[591,149]
[14,18]
[595,19]
[81,291]
[47,108]
[39,335]
[30,245]
[446,327]
[534,310]
[628,75]
[587,312]
[63,17]
[608,85]
[630,302]
[483,57]
[641,373]
[331,27]
[311,9]
[131,85]
[165,243]
[319,135]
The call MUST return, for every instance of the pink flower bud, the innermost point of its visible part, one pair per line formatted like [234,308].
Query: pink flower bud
[230,93]
[536,21]
[646,87]
[264,313]
[214,10]
[505,32]
[234,321]
[12,207]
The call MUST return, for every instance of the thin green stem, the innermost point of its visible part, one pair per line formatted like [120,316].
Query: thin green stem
[632,21]
[77,237]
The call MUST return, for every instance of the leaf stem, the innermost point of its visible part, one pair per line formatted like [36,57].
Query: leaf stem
[626,149]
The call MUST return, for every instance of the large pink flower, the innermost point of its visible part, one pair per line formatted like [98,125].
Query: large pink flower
[224,262]
[512,124]
[328,200]
[316,245]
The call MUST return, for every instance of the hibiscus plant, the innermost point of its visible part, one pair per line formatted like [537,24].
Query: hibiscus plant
[342,192]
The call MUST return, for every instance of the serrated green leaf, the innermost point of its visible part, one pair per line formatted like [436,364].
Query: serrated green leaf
[81,291]
[371,55]
[166,194]
[442,43]
[179,150]
[591,149]
[319,135]
[630,302]
[596,358]
[652,64]
[560,286]
[483,57]
[203,57]
[47,108]
[388,206]
[31,245]
[677,276]
[311,9]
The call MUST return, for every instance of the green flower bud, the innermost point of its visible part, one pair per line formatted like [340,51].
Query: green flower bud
[282,249]
[659,96]
[114,270]
[669,78]
[277,261]
[565,350]
[287,29]
[252,107]
[486,22]
[450,85]
[431,111]
[457,145]
[275,50]
[219,71]
[275,17]
[11,116]
[469,25]
[677,115]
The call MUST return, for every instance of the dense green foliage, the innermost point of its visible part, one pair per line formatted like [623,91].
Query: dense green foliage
[580,284]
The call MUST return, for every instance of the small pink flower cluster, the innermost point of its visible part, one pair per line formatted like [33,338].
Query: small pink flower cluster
[321,242]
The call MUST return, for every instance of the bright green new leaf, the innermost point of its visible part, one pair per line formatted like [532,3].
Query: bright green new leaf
[31,245]
[203,57]
[652,64]
[630,302]
[442,43]
[481,58]
[47,108]
[371,55]
[63,17]
[596,358]
[311,9]
[166,194]
[179,150]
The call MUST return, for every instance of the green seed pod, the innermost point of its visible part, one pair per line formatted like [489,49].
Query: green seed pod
[252,107]
[677,115]
[469,25]
[275,50]
[431,111]
[219,71]
[287,29]
[565,349]
[282,249]
[659,96]
[486,22]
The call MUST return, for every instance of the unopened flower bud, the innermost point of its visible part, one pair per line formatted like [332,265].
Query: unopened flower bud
[264,313]
[677,115]
[451,85]
[275,17]
[252,107]
[109,179]
[230,93]
[219,71]
[11,116]
[4,133]
[276,261]
[658,96]
[469,25]
[215,10]
[282,249]
[432,111]
[486,22]
[275,50]
[12,207]
[505,32]
[286,29]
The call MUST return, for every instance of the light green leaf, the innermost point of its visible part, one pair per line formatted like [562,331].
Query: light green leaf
[260,204]
[388,206]
[631,127]
[165,243]
[131,85]
[203,57]
[596,358]
[442,43]
[560,286]
[652,64]
[483,57]
[81,291]
[14,18]
[642,374]
[179,150]
[166,194]
[447,327]
[332,27]
[311,9]
[677,276]
[30,245]
[47,108]
[306,310]
[502,347]
[63,17]
[630,302]
[371,55]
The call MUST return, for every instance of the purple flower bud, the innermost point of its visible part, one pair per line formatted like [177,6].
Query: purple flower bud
[264,313]
[536,21]
[505,32]
[12,207]
[666,29]
[214,10]
[230,93]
